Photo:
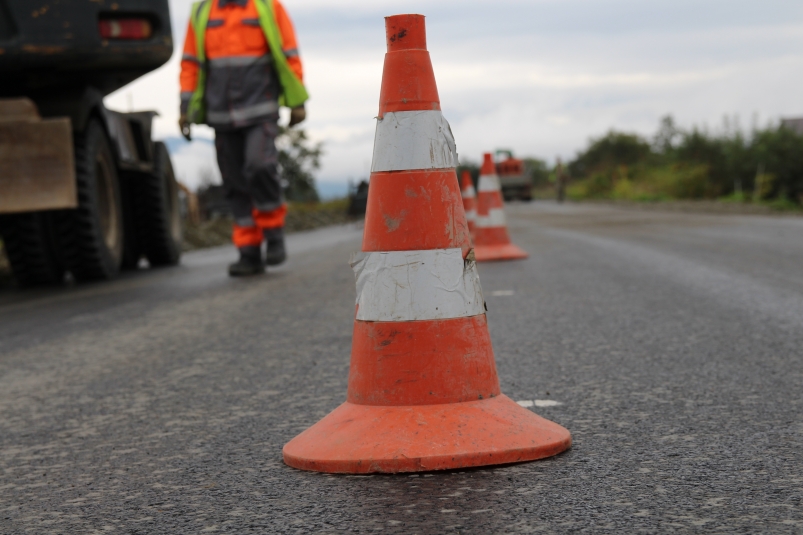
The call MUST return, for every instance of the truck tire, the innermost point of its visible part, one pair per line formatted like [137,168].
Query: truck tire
[91,236]
[131,247]
[30,245]
[157,214]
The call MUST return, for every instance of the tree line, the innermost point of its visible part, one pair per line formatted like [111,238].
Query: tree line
[763,165]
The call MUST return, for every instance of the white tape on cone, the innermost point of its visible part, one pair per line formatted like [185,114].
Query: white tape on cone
[488,183]
[471,215]
[411,140]
[416,285]
[495,218]
[469,192]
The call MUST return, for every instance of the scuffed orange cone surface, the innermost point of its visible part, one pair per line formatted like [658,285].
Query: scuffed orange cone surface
[423,390]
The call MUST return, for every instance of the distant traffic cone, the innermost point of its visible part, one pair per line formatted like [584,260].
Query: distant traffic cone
[423,391]
[491,240]
[469,201]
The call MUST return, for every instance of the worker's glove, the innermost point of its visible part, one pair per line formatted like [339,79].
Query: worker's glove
[184,124]
[297,115]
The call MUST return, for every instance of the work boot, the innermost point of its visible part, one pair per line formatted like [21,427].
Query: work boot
[250,263]
[274,239]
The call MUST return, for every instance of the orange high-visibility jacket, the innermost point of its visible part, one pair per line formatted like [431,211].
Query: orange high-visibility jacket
[242,87]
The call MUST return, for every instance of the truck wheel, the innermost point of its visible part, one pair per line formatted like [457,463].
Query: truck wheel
[92,235]
[158,218]
[30,246]
[131,248]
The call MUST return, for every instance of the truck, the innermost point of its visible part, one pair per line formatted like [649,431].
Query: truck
[84,190]
[514,178]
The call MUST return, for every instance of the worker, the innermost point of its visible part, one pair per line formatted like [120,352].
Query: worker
[560,181]
[240,64]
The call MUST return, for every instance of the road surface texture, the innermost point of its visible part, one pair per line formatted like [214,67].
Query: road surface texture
[673,343]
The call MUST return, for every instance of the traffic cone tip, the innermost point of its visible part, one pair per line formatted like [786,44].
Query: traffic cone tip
[488,166]
[406,32]
[408,81]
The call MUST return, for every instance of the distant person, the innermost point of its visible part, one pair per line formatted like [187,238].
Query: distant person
[560,181]
[240,64]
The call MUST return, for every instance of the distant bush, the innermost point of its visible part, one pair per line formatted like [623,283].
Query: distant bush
[766,165]
[608,152]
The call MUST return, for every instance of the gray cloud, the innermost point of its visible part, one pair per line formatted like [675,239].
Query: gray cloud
[539,76]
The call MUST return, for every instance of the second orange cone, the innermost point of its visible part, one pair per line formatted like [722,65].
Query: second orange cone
[491,239]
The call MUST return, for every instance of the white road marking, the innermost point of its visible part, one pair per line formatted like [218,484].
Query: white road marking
[539,403]
[547,403]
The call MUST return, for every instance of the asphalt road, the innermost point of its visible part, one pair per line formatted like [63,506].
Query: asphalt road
[673,344]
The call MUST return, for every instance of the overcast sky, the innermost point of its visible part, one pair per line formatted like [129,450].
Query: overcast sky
[539,76]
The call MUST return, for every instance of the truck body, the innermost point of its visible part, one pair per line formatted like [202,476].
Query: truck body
[83,189]
[514,178]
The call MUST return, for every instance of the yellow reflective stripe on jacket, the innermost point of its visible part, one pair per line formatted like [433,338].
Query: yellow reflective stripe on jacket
[293,91]
[196,111]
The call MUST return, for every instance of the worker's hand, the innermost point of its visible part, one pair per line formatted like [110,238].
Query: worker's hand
[297,115]
[184,124]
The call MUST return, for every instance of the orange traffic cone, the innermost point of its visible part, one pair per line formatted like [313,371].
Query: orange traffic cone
[491,239]
[423,392]
[469,201]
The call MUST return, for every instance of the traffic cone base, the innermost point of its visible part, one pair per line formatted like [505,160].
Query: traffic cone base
[362,439]
[506,251]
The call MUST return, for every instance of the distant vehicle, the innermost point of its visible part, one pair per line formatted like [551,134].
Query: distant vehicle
[83,189]
[514,178]
[358,198]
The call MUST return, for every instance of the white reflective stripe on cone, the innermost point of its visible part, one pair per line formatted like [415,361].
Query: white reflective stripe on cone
[495,218]
[489,183]
[416,285]
[411,140]
[469,192]
[471,215]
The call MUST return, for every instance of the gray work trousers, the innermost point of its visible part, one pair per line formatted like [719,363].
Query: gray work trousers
[249,164]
